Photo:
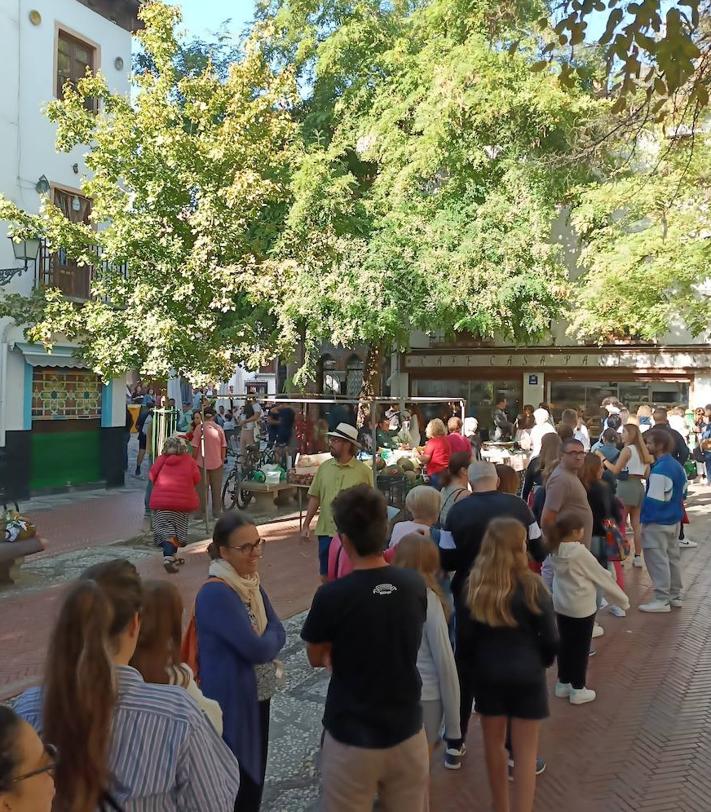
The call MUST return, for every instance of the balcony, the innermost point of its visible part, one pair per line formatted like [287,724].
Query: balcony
[56,270]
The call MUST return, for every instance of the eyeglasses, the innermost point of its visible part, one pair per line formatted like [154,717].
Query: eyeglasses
[53,755]
[248,549]
[575,453]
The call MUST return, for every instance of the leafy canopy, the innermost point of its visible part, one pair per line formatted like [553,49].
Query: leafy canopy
[190,188]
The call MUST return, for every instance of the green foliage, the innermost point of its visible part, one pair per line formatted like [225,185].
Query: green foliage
[426,202]
[656,52]
[646,246]
[189,187]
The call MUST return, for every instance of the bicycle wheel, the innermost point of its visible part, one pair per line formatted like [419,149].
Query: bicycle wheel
[230,490]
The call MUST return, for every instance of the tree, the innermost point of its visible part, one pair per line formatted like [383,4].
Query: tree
[657,53]
[189,189]
[429,179]
[646,250]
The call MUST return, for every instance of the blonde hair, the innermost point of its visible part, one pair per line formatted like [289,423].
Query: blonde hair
[435,428]
[645,410]
[500,569]
[636,440]
[174,445]
[423,500]
[418,552]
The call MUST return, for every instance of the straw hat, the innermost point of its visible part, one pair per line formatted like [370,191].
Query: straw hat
[344,431]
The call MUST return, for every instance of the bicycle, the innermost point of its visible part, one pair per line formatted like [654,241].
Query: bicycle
[234,494]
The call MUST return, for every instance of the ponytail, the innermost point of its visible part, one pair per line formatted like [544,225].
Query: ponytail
[562,527]
[79,692]
[457,461]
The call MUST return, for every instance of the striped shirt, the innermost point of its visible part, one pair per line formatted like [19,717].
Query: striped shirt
[165,755]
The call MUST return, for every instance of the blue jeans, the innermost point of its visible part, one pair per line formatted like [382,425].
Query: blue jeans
[324,542]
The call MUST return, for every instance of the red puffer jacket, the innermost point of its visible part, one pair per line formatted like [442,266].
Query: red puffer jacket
[174,477]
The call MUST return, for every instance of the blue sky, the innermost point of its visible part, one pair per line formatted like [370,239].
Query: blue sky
[202,17]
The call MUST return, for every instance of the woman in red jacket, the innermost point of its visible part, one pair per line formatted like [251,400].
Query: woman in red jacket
[174,476]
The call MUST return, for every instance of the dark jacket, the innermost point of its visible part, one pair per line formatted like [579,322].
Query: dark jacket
[502,654]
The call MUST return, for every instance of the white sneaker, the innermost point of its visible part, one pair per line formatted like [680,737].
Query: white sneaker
[655,606]
[637,562]
[677,603]
[563,689]
[617,611]
[598,631]
[579,696]
[687,545]
[604,603]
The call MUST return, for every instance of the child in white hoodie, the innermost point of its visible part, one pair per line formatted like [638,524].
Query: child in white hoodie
[576,577]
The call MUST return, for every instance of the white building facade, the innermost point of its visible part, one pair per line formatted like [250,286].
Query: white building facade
[60,425]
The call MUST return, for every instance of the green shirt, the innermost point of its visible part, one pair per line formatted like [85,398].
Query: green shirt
[331,478]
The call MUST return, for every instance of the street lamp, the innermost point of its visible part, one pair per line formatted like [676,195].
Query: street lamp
[25,251]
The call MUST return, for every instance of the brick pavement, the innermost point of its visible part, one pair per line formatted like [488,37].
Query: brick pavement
[289,571]
[645,744]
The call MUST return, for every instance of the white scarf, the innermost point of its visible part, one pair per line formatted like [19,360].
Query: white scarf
[247,589]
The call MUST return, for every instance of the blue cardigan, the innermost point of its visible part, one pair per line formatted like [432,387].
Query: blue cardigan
[228,650]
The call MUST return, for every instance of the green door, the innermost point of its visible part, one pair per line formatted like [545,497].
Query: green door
[63,459]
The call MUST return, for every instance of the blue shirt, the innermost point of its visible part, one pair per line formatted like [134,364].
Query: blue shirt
[165,756]
[664,500]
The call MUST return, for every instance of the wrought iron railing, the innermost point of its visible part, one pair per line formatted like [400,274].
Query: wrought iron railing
[55,269]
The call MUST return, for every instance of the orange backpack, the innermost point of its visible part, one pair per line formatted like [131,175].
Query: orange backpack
[189,646]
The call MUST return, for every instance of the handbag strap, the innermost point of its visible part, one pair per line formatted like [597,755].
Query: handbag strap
[446,501]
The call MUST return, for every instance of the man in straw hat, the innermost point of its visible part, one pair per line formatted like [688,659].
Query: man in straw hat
[333,476]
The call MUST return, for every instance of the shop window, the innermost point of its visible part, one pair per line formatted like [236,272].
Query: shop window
[354,376]
[65,394]
[74,57]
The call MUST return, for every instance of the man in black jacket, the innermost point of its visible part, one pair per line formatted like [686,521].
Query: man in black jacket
[681,449]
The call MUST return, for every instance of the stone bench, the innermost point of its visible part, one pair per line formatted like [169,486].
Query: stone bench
[267,494]
[12,553]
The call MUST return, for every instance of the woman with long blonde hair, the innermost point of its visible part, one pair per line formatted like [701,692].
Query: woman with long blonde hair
[435,659]
[506,639]
[630,468]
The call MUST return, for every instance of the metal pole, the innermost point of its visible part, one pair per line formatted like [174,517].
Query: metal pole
[204,469]
[374,422]
[462,407]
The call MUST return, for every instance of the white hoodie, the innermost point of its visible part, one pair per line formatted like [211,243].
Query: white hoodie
[577,574]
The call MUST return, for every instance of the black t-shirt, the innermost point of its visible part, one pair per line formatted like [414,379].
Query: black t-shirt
[466,524]
[373,620]
[600,501]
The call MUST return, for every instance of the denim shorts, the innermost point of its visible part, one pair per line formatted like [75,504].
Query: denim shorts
[324,542]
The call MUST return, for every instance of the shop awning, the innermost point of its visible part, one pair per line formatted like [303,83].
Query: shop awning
[60,356]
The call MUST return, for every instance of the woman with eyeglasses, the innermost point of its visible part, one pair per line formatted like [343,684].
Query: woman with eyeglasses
[238,638]
[124,743]
[26,766]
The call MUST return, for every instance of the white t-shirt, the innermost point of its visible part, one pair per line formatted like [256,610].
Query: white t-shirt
[537,434]
[401,529]
[635,466]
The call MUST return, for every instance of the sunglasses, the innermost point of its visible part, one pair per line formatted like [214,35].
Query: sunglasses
[53,756]
[248,549]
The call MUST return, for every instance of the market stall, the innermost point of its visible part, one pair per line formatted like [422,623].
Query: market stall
[395,470]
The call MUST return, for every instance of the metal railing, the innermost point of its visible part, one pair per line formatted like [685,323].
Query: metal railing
[55,269]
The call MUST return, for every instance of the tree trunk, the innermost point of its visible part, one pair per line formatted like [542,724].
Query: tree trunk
[372,382]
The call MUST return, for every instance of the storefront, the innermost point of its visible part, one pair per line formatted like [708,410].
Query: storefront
[564,377]
[61,426]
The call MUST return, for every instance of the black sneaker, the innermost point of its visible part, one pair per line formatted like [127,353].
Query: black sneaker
[540,767]
[453,757]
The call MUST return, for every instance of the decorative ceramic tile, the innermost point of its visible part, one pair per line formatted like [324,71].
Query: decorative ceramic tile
[65,394]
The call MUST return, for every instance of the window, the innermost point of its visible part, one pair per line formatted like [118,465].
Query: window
[73,58]
[58,270]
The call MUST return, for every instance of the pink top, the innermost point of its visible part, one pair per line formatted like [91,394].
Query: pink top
[458,443]
[215,442]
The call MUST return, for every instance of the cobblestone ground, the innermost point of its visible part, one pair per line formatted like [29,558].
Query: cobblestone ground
[644,745]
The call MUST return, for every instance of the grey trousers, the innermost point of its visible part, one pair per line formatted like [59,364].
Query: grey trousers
[660,543]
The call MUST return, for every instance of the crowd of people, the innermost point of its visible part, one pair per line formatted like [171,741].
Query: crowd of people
[461,606]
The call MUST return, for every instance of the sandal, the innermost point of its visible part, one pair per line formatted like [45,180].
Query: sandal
[180,561]
[171,565]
